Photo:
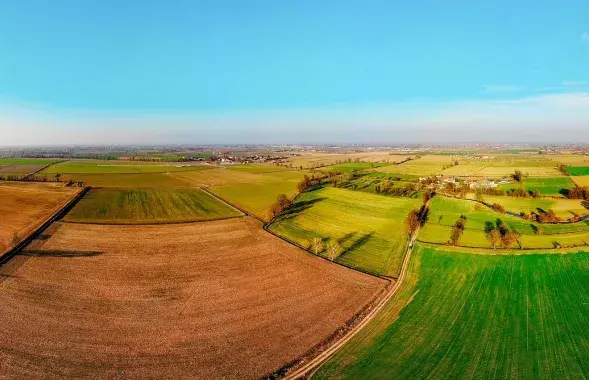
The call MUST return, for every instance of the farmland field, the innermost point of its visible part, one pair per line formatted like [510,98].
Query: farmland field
[470,316]
[132,180]
[424,166]
[445,211]
[311,160]
[252,191]
[120,167]
[564,208]
[138,206]
[22,166]
[27,161]
[350,167]
[581,180]
[546,186]
[25,206]
[578,170]
[370,228]
[220,299]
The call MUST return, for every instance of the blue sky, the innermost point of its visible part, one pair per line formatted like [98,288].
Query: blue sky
[292,71]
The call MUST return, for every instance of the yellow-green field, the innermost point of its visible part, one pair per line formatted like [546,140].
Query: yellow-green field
[564,208]
[445,211]
[369,228]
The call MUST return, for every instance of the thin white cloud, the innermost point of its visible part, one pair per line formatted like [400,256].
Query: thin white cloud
[499,88]
[573,83]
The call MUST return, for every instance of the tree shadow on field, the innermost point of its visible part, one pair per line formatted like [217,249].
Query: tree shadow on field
[297,208]
[585,204]
[360,241]
[59,253]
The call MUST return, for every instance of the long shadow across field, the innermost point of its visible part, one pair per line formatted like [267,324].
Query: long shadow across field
[297,208]
[58,253]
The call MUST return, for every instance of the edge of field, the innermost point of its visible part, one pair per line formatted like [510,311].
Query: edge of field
[54,214]
[318,355]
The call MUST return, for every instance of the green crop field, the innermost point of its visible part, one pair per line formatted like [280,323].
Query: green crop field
[445,211]
[136,180]
[252,191]
[564,208]
[370,228]
[578,170]
[119,167]
[126,206]
[256,197]
[350,167]
[27,161]
[468,316]
[546,186]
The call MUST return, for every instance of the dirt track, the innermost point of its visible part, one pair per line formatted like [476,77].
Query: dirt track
[208,300]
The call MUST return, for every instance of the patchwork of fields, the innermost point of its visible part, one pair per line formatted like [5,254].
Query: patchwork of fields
[472,316]
[22,166]
[369,228]
[226,299]
[252,189]
[141,206]
[220,299]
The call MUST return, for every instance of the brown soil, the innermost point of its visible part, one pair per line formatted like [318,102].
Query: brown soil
[212,300]
[24,206]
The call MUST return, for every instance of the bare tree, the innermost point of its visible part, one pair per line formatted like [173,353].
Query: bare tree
[333,250]
[494,237]
[317,245]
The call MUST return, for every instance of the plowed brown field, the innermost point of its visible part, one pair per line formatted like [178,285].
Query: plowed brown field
[211,300]
[24,206]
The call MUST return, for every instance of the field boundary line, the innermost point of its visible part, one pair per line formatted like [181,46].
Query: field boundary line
[309,368]
[64,209]
[513,251]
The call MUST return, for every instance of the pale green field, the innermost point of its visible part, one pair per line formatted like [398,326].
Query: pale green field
[137,180]
[118,167]
[564,208]
[468,316]
[369,227]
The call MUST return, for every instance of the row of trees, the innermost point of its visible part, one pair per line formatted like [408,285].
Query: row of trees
[580,192]
[500,234]
[332,249]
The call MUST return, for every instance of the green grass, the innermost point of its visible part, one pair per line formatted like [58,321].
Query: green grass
[125,206]
[578,170]
[27,161]
[546,186]
[119,167]
[369,227]
[468,316]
